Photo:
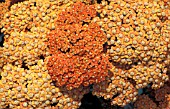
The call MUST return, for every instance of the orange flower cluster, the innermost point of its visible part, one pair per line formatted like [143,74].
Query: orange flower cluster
[77,13]
[77,40]
[77,48]
[3,9]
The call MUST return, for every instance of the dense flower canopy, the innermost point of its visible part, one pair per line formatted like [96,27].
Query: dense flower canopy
[55,51]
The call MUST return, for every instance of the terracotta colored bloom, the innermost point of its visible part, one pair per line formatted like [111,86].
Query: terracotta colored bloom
[77,49]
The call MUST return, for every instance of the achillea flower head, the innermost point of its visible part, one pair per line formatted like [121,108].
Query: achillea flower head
[76,46]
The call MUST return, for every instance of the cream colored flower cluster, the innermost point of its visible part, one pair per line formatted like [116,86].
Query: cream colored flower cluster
[26,89]
[138,34]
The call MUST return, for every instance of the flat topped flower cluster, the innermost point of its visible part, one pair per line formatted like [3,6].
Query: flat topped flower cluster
[54,51]
[76,46]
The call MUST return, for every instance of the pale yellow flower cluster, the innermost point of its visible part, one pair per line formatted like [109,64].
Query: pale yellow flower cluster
[26,89]
[138,35]
[25,82]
